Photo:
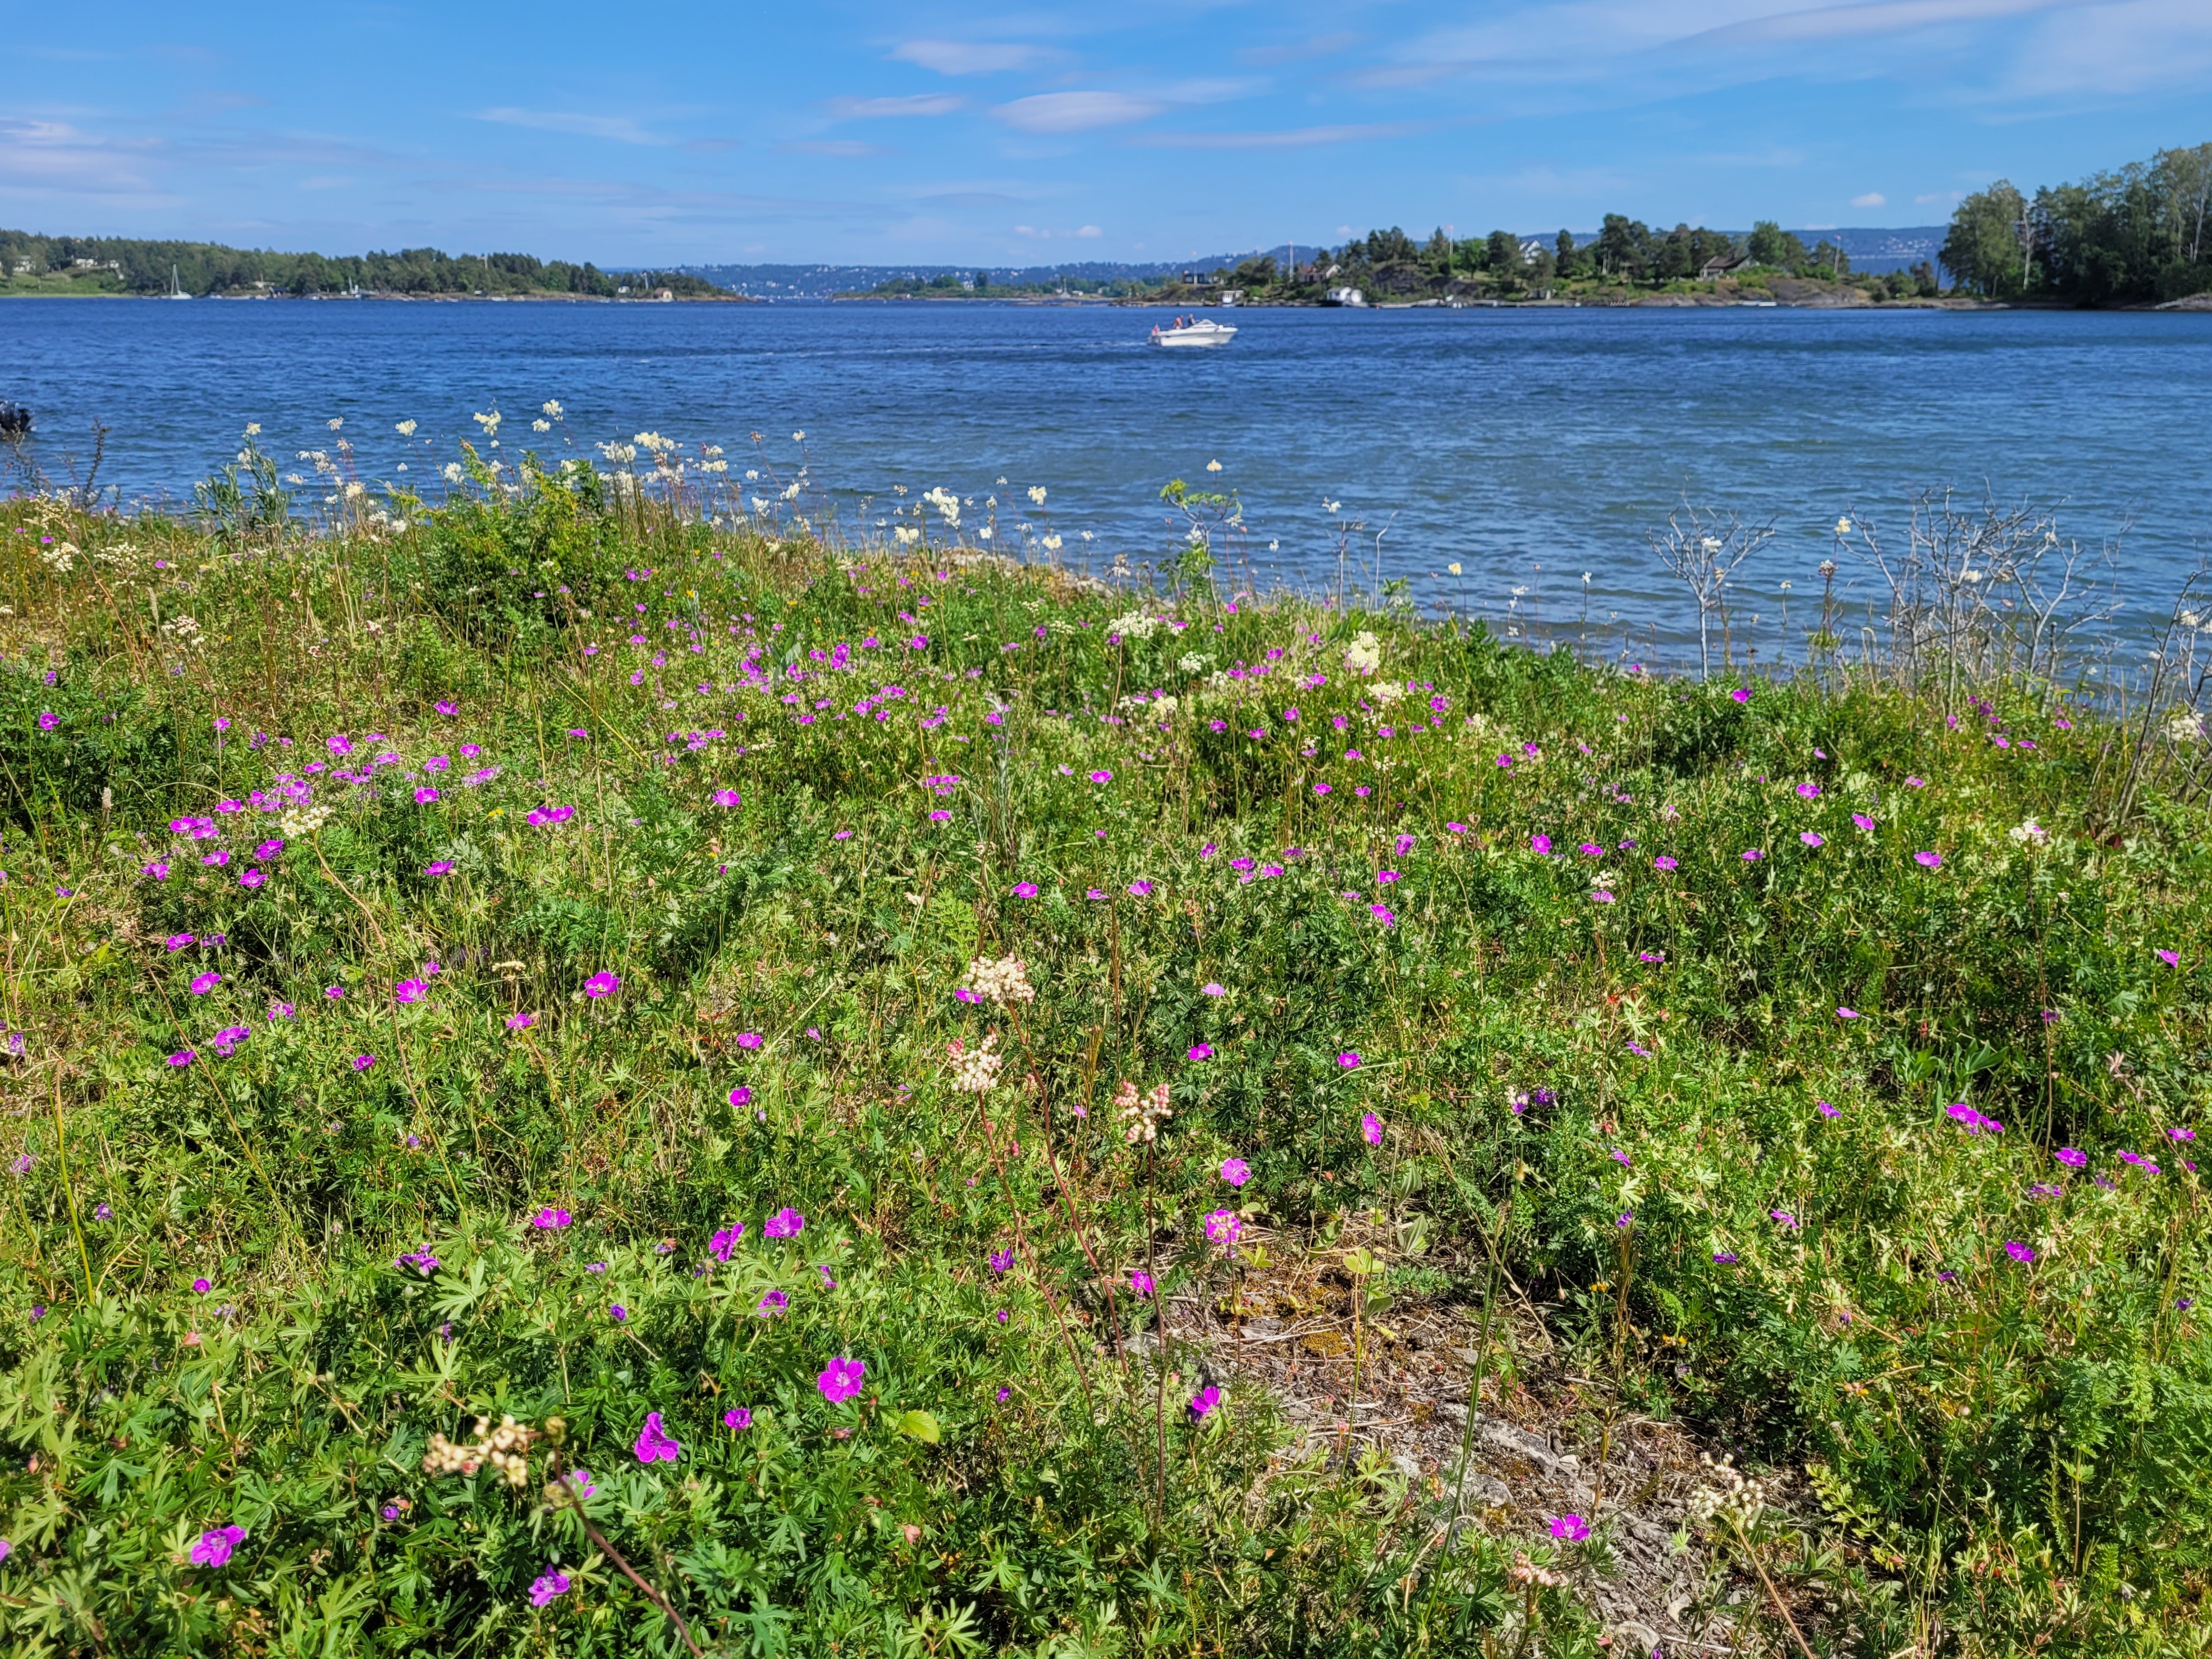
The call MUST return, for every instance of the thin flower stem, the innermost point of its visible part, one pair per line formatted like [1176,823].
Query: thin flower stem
[568,1495]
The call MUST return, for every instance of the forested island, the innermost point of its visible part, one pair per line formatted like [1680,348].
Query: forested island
[34,264]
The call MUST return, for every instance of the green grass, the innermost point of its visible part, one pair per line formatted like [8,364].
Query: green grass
[2010,1452]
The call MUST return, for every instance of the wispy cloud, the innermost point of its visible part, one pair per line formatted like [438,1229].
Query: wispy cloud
[845,148]
[1288,139]
[1298,52]
[1872,198]
[971,57]
[619,129]
[1872,17]
[869,109]
[1085,232]
[1077,111]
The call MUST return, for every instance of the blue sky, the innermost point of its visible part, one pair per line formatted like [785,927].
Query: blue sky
[858,131]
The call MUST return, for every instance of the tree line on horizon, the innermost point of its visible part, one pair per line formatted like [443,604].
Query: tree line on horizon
[140,265]
[2141,233]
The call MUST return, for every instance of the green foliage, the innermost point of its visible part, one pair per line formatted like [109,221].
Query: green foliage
[717,983]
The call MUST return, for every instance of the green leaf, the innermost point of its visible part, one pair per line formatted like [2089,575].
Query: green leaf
[922,1425]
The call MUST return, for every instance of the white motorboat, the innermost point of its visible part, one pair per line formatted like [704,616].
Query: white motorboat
[1193,331]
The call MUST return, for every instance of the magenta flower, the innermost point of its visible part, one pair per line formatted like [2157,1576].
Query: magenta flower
[159,869]
[1222,1227]
[520,1022]
[48,720]
[602,984]
[1862,821]
[728,798]
[1662,862]
[205,983]
[362,1062]
[1236,1171]
[1212,990]
[410,990]
[1205,1400]
[1826,1110]
[741,1095]
[2018,1251]
[1371,1127]
[1025,890]
[2171,958]
[1573,1528]
[1928,860]
[215,1548]
[786,1222]
[548,1585]
[1847,1013]
[725,1240]
[550,1218]
[1809,838]
[748,1039]
[620,1313]
[2181,1134]
[1140,1282]
[440,867]
[1540,844]
[771,1304]
[425,795]
[841,1381]
[655,1445]
[738,1417]
[252,879]
[1140,889]
[2073,1158]
[1384,914]
[1741,694]
[1102,776]
[183,1057]
[1348,1060]
[1807,791]
[1602,896]
[1916,783]
[1752,855]
[1201,1051]
[202,1286]
[1001,1260]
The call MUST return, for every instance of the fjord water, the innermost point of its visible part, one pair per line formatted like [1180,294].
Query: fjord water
[1528,446]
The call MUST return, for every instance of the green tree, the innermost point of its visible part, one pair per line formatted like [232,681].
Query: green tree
[1623,246]
[1502,254]
[1984,250]
[1566,259]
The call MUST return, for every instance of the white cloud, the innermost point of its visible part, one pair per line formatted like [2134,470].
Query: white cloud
[620,128]
[853,109]
[1089,231]
[1289,138]
[848,148]
[1076,112]
[970,57]
[1872,198]
[1940,198]
[1879,17]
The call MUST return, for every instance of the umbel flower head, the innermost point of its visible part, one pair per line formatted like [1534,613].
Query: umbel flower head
[506,1448]
[1726,1494]
[1005,980]
[1144,1114]
[975,1071]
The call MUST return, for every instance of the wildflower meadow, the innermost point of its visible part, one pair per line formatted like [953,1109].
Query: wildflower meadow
[588,1076]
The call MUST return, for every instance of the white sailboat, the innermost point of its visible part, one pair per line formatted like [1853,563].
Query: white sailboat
[176,288]
[1193,331]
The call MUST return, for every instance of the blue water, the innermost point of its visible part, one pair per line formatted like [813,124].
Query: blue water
[1529,447]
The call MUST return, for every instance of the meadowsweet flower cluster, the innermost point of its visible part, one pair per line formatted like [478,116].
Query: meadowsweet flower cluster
[1001,982]
[505,1449]
[1143,1113]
